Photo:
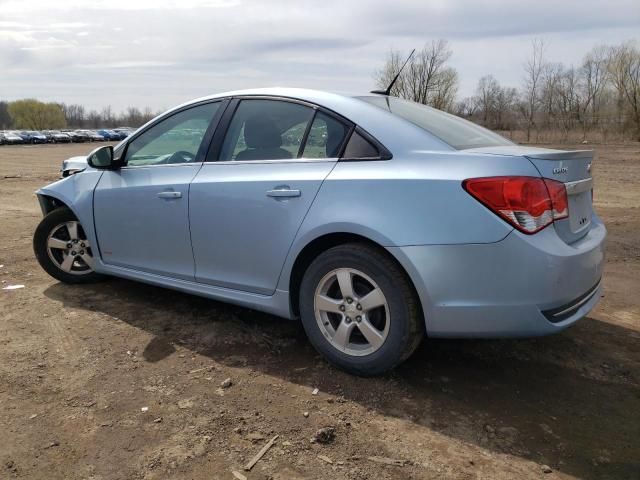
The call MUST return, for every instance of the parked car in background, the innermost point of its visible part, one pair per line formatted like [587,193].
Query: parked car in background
[83,135]
[12,138]
[374,220]
[63,136]
[32,136]
[90,135]
[55,136]
[95,136]
[123,131]
[75,136]
[110,135]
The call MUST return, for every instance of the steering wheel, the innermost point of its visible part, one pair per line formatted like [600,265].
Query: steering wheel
[181,156]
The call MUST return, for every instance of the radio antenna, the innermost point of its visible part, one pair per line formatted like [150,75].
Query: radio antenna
[395,79]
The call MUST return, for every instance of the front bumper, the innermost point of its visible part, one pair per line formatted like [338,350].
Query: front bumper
[522,286]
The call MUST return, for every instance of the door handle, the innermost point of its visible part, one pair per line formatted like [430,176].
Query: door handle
[170,195]
[282,192]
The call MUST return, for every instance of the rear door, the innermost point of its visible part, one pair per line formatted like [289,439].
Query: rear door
[250,197]
[142,210]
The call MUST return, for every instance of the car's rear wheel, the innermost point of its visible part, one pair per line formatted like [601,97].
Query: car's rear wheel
[360,310]
[62,248]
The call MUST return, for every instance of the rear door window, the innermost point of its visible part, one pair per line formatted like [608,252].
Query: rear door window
[266,130]
[325,137]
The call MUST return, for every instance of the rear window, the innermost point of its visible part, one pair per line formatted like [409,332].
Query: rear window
[455,131]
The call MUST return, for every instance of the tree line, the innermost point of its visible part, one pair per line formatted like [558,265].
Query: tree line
[31,114]
[599,97]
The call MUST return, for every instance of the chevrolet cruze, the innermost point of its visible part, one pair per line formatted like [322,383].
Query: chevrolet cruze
[374,220]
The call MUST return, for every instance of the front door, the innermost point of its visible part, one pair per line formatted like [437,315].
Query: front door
[247,206]
[142,210]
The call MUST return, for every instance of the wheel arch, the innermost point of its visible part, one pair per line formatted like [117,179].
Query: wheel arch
[76,194]
[322,243]
[49,203]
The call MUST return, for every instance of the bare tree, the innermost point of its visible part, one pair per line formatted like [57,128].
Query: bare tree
[594,81]
[487,92]
[133,116]
[75,115]
[531,87]
[504,107]
[108,118]
[445,89]
[466,107]
[5,118]
[624,71]
[94,119]
[426,78]
[567,100]
[147,115]
[550,79]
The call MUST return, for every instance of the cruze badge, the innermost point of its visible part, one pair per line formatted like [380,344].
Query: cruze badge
[559,170]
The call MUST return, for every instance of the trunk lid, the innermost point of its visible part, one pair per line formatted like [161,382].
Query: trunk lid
[573,168]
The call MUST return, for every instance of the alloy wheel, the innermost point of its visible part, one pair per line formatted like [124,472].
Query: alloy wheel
[351,311]
[69,249]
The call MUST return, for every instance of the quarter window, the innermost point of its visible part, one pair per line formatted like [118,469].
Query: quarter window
[266,130]
[173,140]
[360,148]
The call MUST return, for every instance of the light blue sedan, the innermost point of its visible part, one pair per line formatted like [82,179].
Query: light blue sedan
[372,219]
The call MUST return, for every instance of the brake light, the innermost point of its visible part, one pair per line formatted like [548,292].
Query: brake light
[528,203]
[558,195]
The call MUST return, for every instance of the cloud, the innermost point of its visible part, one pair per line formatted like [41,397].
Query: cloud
[12,6]
[489,18]
[161,52]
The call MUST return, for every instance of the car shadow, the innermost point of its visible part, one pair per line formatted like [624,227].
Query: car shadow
[571,400]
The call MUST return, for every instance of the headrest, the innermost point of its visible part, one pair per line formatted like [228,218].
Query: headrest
[260,131]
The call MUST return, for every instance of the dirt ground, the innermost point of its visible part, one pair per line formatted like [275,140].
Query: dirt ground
[120,380]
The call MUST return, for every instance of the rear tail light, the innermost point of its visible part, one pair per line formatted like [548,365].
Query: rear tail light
[558,195]
[527,203]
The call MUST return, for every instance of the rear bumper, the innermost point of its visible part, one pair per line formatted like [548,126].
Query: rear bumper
[522,286]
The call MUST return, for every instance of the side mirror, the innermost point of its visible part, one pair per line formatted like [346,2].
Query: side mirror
[101,158]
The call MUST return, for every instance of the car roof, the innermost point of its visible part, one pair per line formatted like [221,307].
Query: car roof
[394,132]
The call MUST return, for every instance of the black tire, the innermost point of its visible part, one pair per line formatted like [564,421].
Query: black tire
[40,237]
[406,325]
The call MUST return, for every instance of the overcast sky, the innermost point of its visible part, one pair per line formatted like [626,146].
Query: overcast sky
[160,53]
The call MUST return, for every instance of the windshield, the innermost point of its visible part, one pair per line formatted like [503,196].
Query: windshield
[455,131]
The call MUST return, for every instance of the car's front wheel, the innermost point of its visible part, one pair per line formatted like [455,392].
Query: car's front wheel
[360,310]
[63,249]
